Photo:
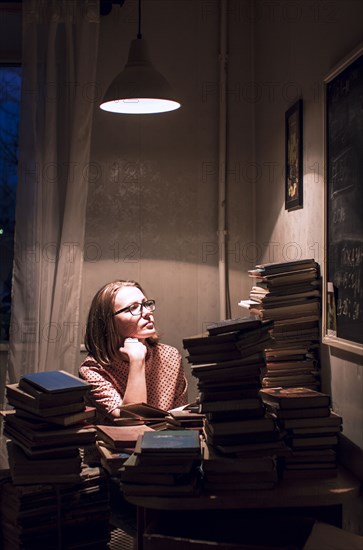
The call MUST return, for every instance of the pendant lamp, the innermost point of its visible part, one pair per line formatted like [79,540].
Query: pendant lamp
[139,88]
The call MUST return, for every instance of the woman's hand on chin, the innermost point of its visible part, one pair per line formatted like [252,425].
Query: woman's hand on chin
[133,350]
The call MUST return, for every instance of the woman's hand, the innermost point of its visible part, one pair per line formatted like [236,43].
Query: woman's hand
[134,350]
[136,384]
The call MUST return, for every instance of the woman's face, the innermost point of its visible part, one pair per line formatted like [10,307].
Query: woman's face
[136,326]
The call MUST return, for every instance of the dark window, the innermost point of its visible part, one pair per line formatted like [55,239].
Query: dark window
[10,84]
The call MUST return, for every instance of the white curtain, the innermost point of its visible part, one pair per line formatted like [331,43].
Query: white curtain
[60,44]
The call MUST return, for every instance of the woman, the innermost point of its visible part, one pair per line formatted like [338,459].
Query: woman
[126,362]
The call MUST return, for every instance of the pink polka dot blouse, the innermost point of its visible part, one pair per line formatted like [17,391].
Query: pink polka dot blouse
[165,381]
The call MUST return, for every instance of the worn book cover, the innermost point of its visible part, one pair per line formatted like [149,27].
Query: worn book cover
[22,400]
[302,413]
[54,381]
[283,267]
[43,399]
[171,441]
[121,436]
[332,421]
[294,398]
[87,414]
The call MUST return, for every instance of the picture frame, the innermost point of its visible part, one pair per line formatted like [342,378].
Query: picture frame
[342,318]
[294,156]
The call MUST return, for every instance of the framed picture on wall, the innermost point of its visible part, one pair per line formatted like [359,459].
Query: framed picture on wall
[343,266]
[294,157]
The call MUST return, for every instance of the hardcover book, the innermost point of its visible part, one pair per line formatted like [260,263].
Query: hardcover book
[142,410]
[241,323]
[41,399]
[22,400]
[294,398]
[69,419]
[54,381]
[283,267]
[119,437]
[171,441]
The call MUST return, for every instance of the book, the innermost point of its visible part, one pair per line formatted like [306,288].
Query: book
[68,419]
[294,398]
[283,414]
[247,373]
[291,381]
[119,437]
[159,466]
[267,298]
[282,278]
[232,405]
[110,459]
[283,267]
[333,420]
[243,363]
[284,312]
[54,381]
[213,356]
[315,441]
[170,441]
[312,456]
[44,399]
[236,414]
[142,411]
[44,434]
[240,323]
[225,342]
[27,470]
[315,430]
[53,448]
[223,394]
[240,427]
[51,399]
[22,400]
[205,339]
[187,418]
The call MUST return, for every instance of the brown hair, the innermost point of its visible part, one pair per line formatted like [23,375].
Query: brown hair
[102,339]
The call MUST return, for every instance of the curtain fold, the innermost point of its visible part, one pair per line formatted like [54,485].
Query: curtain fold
[60,44]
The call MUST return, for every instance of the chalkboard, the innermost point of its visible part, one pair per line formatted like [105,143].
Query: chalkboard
[344,198]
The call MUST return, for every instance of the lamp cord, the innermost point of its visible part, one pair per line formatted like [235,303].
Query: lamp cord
[139,35]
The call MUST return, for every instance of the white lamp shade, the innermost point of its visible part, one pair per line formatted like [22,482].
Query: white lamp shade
[139,88]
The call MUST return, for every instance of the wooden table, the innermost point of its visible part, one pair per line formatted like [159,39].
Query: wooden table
[328,495]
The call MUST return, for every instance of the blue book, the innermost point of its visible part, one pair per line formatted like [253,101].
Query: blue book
[56,381]
[171,441]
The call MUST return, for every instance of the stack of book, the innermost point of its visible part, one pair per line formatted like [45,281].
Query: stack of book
[165,463]
[312,430]
[235,472]
[289,293]
[229,397]
[48,427]
[115,444]
[68,517]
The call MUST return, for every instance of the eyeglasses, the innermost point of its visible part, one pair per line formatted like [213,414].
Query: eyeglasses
[136,309]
